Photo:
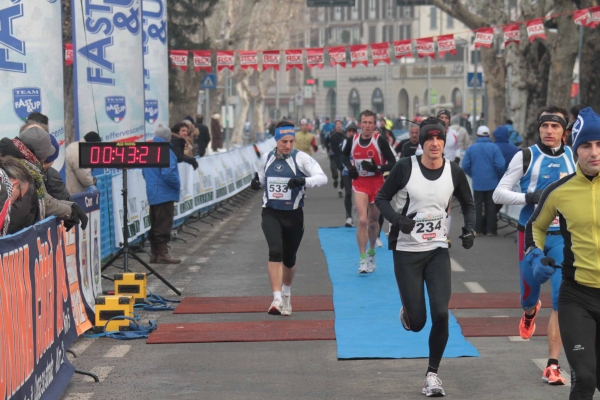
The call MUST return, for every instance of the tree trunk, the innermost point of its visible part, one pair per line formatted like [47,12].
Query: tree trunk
[535,75]
[495,80]
[237,137]
[564,50]
[517,94]
[589,78]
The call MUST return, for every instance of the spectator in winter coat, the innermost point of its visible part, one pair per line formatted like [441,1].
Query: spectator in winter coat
[501,140]
[52,179]
[182,144]
[216,132]
[203,136]
[79,179]
[514,137]
[463,136]
[162,189]
[484,163]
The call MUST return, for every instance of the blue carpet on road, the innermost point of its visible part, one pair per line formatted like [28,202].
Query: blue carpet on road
[367,306]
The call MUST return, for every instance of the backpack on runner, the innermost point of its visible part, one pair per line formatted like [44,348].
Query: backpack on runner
[514,137]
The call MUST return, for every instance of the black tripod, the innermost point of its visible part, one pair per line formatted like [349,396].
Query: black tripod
[124,250]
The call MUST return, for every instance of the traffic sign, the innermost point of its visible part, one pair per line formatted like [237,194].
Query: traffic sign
[209,81]
[475,81]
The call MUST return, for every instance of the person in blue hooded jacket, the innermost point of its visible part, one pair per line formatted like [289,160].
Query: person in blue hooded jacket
[162,189]
[508,150]
[484,163]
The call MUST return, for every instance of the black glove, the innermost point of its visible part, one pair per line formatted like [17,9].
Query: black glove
[194,164]
[467,237]
[296,182]
[369,166]
[533,198]
[78,216]
[353,173]
[255,182]
[404,223]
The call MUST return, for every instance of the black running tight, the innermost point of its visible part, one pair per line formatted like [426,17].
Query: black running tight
[347,195]
[283,230]
[413,270]
[579,322]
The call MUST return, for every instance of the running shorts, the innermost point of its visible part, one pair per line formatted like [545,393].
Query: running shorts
[369,186]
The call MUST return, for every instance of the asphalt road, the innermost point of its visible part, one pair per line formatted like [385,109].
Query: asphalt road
[230,259]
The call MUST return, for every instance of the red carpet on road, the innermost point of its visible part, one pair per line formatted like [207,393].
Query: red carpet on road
[257,331]
[218,305]
[492,300]
[500,326]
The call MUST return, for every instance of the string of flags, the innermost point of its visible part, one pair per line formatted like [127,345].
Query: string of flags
[359,54]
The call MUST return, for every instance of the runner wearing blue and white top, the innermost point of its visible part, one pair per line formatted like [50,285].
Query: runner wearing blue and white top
[284,174]
[530,171]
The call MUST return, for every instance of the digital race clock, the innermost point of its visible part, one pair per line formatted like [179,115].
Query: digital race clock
[124,155]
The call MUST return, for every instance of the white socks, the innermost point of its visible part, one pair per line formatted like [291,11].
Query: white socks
[286,290]
[277,296]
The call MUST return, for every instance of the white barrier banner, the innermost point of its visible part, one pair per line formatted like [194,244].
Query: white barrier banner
[204,184]
[185,205]
[156,65]
[109,68]
[31,67]
[220,177]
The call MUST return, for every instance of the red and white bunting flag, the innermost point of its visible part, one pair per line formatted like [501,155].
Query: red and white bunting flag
[271,59]
[380,53]
[535,29]
[249,60]
[582,17]
[202,60]
[225,60]
[425,47]
[403,48]
[337,55]
[315,58]
[293,59]
[511,34]
[179,58]
[484,37]
[359,55]
[68,54]
[594,20]
[446,44]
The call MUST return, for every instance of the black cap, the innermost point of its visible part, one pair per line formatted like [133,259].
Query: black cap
[444,111]
[92,137]
[431,127]
[352,127]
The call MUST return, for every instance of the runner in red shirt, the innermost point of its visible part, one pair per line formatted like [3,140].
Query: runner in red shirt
[371,157]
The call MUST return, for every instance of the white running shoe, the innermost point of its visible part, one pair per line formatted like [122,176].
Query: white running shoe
[286,304]
[275,308]
[363,267]
[432,386]
[349,223]
[378,243]
[371,266]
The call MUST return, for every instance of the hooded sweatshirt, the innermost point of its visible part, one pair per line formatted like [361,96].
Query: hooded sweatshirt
[501,140]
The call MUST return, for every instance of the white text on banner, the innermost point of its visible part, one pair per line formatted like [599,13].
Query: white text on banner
[156,65]
[30,61]
[109,71]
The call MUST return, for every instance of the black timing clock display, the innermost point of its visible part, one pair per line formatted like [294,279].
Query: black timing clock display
[124,155]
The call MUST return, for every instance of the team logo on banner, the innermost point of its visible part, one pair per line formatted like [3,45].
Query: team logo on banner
[27,100]
[151,111]
[115,108]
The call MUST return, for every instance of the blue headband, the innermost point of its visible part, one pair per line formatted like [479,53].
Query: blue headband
[284,131]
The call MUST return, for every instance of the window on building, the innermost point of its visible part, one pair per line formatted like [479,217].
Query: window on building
[407,11]
[390,33]
[401,32]
[449,22]
[354,11]
[337,13]
[372,9]
[314,38]
[388,8]
[432,17]
[407,33]
[372,34]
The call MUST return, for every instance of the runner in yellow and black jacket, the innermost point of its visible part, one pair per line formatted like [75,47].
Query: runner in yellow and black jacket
[575,199]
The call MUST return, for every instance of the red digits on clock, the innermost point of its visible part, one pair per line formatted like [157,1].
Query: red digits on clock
[132,153]
[95,155]
[107,155]
[143,154]
[158,156]
[120,152]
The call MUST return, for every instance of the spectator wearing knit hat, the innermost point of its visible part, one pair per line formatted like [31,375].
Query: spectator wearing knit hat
[79,179]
